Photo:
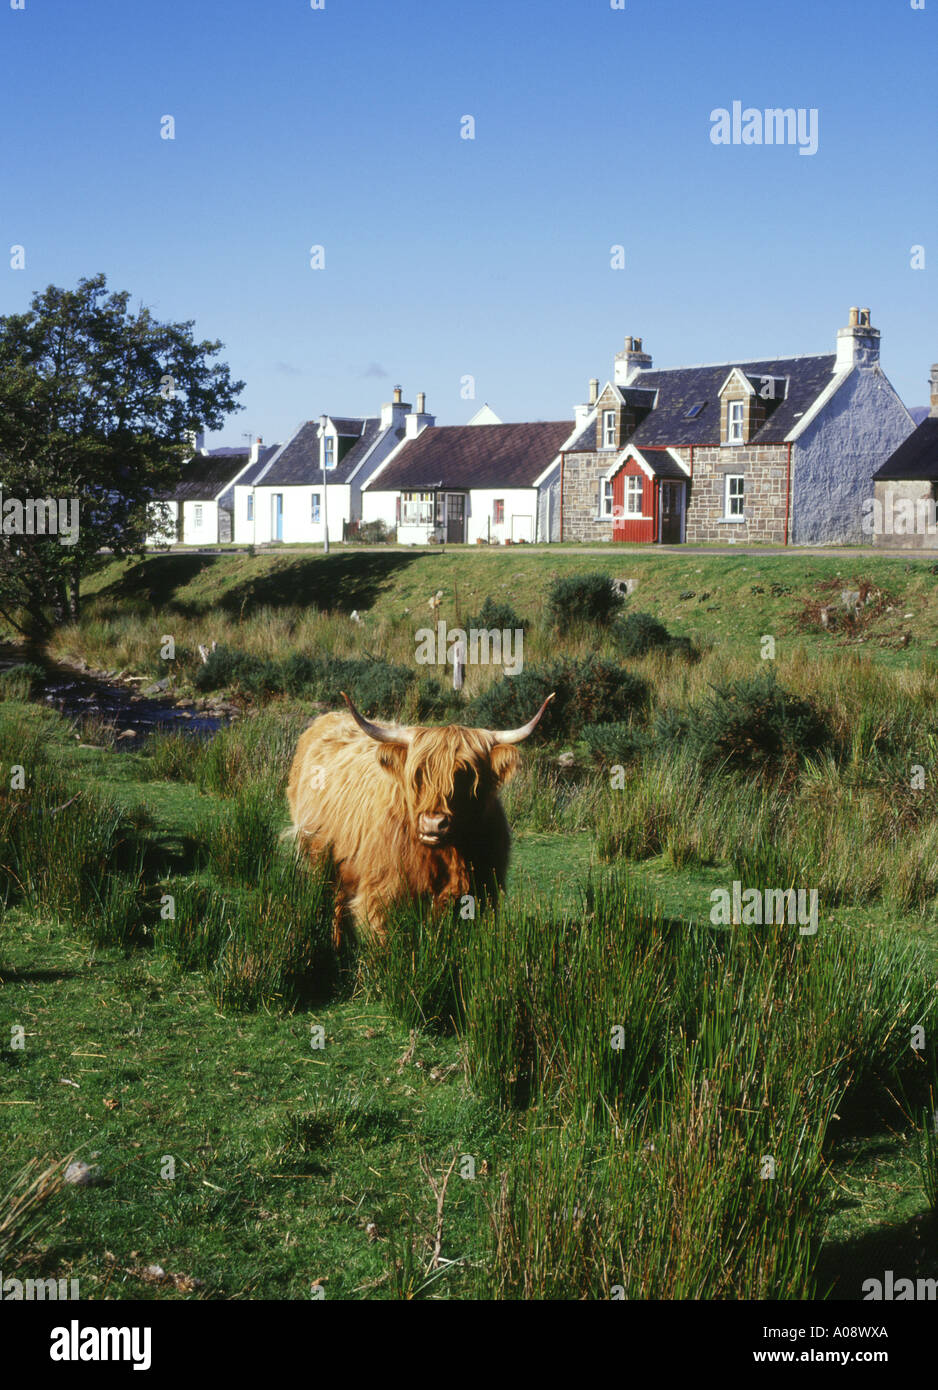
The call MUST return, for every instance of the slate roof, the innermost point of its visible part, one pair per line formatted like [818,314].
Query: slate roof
[680,388]
[298,461]
[662,464]
[585,442]
[264,455]
[916,457]
[919,413]
[206,475]
[467,456]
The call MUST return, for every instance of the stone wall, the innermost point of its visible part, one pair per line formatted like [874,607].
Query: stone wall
[582,474]
[764,469]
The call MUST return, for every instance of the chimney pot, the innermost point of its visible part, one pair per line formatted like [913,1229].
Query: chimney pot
[638,344]
[421,402]
[397,395]
[865,318]
[628,344]
[933,389]
[594,389]
[854,318]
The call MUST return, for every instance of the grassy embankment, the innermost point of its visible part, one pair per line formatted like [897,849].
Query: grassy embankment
[190,1037]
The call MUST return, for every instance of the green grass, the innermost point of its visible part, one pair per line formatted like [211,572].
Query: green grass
[193,1034]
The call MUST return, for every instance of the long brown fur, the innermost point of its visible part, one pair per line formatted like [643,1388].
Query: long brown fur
[360,800]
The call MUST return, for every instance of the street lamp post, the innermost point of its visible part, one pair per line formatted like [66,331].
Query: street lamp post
[325,486]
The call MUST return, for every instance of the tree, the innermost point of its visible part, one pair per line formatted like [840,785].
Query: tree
[96,402]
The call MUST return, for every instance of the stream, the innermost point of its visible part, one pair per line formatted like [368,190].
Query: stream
[81,695]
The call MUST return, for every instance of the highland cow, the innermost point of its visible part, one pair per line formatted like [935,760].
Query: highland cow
[405,812]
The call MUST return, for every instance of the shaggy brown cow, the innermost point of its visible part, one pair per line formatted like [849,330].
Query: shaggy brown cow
[404,811]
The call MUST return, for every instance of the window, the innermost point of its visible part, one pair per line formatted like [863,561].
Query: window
[498,511]
[734,422]
[250,506]
[417,509]
[695,410]
[633,496]
[609,429]
[733,495]
[605,498]
[197,514]
[330,451]
[314,516]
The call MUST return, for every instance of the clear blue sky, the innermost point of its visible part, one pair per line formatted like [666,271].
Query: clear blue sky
[445,256]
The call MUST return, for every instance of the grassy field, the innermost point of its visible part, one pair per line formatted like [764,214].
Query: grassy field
[556,1103]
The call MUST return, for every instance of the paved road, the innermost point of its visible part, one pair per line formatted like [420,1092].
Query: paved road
[621,551]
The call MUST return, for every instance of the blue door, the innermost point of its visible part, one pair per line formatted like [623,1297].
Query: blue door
[276,519]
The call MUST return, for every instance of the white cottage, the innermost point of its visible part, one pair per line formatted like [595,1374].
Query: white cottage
[315,479]
[199,509]
[470,483]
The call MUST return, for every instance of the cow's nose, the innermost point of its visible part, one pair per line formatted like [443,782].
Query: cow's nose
[434,825]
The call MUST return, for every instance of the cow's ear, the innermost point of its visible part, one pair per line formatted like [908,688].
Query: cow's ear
[392,757]
[504,760]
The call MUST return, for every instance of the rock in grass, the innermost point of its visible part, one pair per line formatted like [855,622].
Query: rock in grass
[82,1174]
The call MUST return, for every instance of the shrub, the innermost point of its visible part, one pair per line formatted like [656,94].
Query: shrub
[637,634]
[588,691]
[755,725]
[500,616]
[583,599]
[615,743]
[378,686]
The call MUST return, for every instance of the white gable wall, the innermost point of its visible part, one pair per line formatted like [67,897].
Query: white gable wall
[520,521]
[200,523]
[835,455]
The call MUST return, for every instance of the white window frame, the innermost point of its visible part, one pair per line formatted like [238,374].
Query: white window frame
[734,502]
[250,506]
[329,450]
[416,508]
[609,429]
[197,514]
[634,494]
[496,503]
[315,509]
[735,422]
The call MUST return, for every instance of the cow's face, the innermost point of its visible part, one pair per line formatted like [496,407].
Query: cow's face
[448,777]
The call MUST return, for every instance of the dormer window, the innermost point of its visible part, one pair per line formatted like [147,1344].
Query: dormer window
[734,422]
[330,451]
[609,429]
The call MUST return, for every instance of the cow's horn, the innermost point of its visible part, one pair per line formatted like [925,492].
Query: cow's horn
[519,735]
[375,731]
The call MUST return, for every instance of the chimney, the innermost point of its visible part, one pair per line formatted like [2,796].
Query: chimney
[594,390]
[256,449]
[393,412]
[933,389]
[417,420]
[630,362]
[858,343]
